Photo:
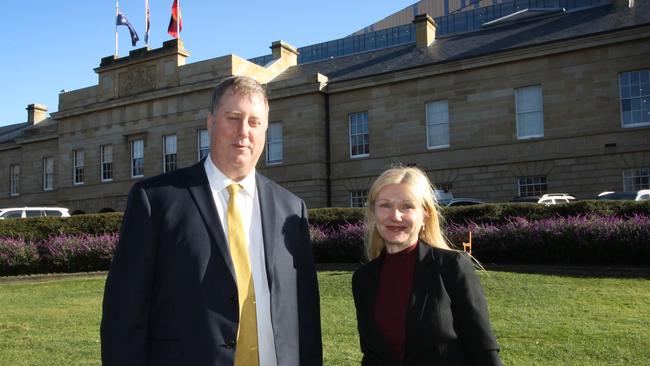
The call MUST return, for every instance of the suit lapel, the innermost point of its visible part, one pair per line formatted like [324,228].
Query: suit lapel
[419,297]
[269,227]
[199,188]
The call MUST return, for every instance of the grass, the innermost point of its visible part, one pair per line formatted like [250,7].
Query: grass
[538,319]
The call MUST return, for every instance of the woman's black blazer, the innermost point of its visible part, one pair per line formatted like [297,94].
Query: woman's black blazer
[447,321]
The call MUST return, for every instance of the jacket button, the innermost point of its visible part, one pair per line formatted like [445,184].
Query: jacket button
[229,345]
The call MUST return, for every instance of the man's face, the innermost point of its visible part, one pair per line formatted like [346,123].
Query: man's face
[237,132]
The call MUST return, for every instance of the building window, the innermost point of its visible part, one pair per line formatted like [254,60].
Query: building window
[48,173]
[530,118]
[169,153]
[437,124]
[14,173]
[359,139]
[274,143]
[203,144]
[137,158]
[532,185]
[358,198]
[635,98]
[78,166]
[636,179]
[106,152]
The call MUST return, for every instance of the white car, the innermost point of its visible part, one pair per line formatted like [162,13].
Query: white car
[24,212]
[555,198]
[642,195]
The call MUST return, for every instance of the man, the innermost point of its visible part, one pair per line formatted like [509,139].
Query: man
[181,290]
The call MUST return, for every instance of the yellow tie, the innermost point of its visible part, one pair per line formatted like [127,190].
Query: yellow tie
[246,353]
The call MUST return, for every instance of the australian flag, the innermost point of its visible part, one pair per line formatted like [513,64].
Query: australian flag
[121,20]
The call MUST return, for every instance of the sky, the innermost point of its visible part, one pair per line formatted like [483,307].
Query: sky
[55,45]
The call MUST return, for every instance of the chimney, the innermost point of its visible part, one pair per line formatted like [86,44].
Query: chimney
[425,30]
[283,50]
[36,113]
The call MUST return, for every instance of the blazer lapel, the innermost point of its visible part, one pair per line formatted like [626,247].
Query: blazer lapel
[199,188]
[419,297]
[269,226]
[375,339]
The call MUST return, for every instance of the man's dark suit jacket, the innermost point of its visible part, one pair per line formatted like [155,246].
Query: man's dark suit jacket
[171,297]
[447,320]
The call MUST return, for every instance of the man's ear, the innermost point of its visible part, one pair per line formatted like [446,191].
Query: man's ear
[208,122]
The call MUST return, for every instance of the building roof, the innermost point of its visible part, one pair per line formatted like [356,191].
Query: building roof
[510,36]
[10,132]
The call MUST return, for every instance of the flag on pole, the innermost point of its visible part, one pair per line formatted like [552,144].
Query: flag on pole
[147,22]
[175,22]
[121,20]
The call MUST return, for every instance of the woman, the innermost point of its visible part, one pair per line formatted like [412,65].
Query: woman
[418,301]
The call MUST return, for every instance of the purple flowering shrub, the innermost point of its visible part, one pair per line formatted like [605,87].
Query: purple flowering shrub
[341,244]
[77,253]
[17,256]
[582,239]
[59,253]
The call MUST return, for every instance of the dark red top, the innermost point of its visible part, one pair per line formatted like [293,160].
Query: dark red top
[395,284]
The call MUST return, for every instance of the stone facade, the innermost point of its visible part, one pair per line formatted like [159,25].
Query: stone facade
[154,93]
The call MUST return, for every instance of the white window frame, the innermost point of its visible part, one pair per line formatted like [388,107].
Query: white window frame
[78,173]
[358,198]
[14,180]
[524,108]
[202,143]
[274,144]
[437,115]
[636,179]
[532,181]
[356,121]
[637,95]
[137,158]
[106,164]
[48,173]
[170,153]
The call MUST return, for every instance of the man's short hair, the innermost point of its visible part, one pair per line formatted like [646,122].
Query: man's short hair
[243,85]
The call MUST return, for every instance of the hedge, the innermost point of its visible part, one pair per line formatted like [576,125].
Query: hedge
[587,233]
[41,228]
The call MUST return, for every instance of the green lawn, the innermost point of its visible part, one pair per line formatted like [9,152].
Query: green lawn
[538,319]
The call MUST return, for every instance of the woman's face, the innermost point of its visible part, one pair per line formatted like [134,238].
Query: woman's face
[399,217]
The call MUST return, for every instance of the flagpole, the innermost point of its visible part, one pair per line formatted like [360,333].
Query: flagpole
[178,20]
[146,23]
[115,21]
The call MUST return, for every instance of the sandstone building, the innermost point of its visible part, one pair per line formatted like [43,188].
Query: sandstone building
[511,101]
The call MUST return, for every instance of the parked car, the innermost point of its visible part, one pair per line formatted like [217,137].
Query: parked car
[24,212]
[555,198]
[443,195]
[460,202]
[642,195]
[525,199]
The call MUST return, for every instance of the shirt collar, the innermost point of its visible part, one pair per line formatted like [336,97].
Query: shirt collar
[219,181]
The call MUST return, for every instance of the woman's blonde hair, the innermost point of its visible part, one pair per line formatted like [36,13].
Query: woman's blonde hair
[422,191]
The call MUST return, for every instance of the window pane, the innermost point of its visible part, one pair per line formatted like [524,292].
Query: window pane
[170,144]
[437,115]
[359,137]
